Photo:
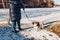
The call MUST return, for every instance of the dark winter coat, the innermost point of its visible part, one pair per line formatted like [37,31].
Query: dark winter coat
[15,9]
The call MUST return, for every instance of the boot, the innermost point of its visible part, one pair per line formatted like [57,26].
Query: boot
[16,31]
[20,28]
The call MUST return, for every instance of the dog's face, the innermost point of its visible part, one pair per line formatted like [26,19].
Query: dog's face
[38,24]
[35,23]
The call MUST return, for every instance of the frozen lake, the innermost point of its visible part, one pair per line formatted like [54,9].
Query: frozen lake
[32,13]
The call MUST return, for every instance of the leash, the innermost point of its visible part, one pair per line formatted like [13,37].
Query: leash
[27,16]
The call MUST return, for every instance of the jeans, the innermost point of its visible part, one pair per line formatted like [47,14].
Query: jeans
[14,24]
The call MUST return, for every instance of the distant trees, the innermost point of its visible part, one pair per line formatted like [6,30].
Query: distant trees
[32,3]
[4,3]
[39,3]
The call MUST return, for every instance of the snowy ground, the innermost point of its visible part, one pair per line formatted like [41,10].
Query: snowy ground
[38,14]
[28,34]
[7,34]
[40,35]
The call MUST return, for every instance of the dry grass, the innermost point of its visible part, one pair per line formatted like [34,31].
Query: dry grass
[4,25]
[8,25]
[55,27]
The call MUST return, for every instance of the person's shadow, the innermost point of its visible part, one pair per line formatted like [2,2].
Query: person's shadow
[49,23]
[45,25]
[7,34]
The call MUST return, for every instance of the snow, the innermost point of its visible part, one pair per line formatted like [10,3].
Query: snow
[28,34]
[40,35]
[37,14]
[7,34]
[41,14]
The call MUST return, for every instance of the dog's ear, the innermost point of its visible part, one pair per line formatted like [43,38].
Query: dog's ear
[38,24]
[33,23]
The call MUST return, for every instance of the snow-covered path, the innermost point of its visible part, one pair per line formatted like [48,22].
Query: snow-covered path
[40,35]
[28,34]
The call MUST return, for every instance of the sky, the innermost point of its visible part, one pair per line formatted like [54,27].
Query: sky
[57,1]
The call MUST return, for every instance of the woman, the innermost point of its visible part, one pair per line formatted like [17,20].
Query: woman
[15,13]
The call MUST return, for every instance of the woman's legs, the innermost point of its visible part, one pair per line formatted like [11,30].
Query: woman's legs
[19,26]
[14,25]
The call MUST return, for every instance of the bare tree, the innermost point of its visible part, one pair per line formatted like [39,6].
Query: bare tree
[3,4]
